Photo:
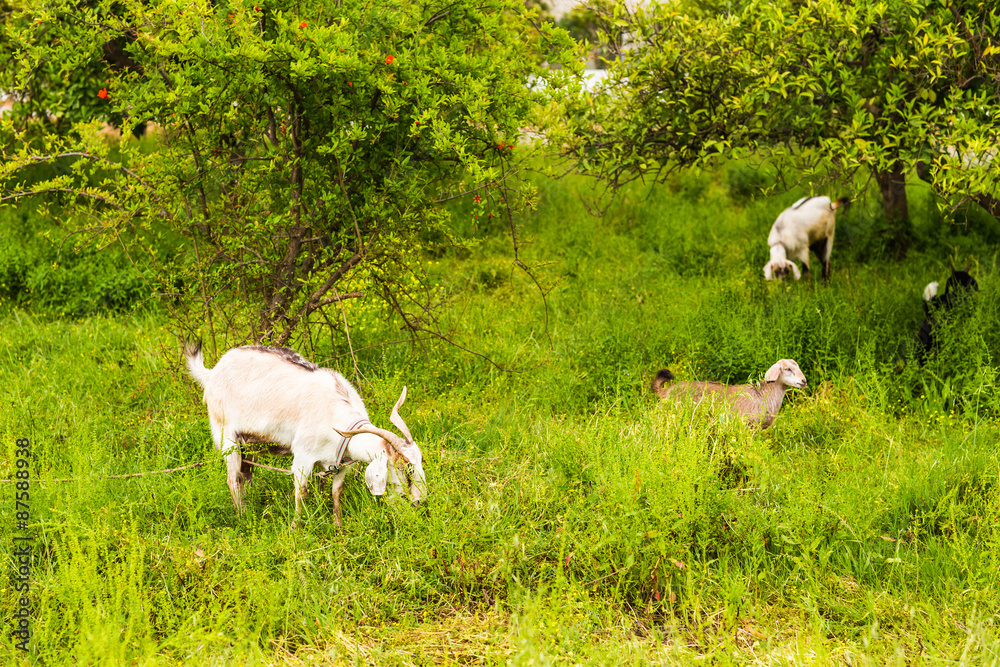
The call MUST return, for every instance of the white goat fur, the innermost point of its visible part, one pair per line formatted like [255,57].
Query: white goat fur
[809,223]
[930,291]
[259,395]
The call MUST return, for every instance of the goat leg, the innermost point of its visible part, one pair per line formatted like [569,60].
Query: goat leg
[336,487]
[234,476]
[300,472]
[822,250]
[247,470]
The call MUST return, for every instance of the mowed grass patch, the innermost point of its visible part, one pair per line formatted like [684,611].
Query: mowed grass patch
[569,517]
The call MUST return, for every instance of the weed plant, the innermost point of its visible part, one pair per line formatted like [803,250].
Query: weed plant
[42,270]
[570,519]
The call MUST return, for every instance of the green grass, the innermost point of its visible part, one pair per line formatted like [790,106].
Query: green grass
[569,519]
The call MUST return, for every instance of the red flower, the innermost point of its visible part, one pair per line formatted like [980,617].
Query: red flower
[349,83]
[389,59]
[103,93]
[501,146]
[302,25]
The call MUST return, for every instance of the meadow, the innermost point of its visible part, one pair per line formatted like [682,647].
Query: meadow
[570,519]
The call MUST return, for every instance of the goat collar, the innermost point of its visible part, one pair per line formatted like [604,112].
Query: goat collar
[342,447]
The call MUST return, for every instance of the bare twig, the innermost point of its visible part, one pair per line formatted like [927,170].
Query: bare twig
[611,574]
[90,195]
[347,333]
[96,158]
[339,297]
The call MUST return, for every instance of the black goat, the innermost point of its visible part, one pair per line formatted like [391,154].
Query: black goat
[960,284]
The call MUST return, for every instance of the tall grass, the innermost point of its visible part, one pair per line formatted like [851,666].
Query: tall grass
[570,519]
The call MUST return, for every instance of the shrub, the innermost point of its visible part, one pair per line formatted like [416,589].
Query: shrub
[307,148]
[745,182]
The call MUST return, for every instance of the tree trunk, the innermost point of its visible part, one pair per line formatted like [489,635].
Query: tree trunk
[892,184]
[989,203]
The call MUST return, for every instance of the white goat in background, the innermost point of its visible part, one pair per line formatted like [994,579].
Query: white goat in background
[272,396]
[808,224]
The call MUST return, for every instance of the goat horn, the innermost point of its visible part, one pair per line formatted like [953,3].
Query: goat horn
[398,421]
[394,440]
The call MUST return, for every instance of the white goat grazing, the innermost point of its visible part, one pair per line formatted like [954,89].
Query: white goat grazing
[757,405]
[272,396]
[809,224]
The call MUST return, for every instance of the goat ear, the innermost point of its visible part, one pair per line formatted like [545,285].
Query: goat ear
[377,474]
[767,271]
[773,373]
[968,265]
[795,270]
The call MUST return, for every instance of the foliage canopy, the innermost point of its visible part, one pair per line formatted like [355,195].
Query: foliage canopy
[877,87]
[306,148]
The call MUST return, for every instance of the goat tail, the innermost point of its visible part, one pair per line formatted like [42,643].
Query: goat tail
[663,376]
[196,362]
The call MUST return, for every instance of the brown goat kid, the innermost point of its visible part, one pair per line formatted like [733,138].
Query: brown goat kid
[757,405]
